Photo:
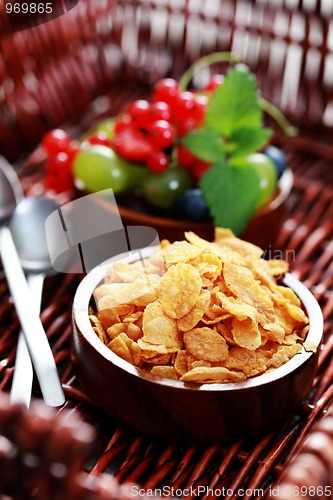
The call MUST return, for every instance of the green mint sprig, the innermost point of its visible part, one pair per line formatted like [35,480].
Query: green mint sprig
[233,129]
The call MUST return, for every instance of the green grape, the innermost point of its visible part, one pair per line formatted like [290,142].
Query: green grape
[98,167]
[267,175]
[161,190]
[107,127]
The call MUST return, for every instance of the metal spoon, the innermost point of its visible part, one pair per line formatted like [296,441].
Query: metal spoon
[28,232]
[39,348]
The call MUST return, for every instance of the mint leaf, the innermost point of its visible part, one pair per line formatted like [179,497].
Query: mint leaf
[231,192]
[235,104]
[205,144]
[249,140]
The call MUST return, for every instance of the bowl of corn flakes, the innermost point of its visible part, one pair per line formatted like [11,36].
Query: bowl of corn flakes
[196,340]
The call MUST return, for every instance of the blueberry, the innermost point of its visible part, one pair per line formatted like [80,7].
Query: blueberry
[278,158]
[191,206]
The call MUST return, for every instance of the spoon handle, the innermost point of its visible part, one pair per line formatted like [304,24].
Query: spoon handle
[32,327]
[23,371]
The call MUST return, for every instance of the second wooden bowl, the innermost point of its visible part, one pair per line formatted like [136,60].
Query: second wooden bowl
[261,230]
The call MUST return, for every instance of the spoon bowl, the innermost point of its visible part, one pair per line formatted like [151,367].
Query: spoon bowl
[28,231]
[10,191]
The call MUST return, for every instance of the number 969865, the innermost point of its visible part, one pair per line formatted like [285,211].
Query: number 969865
[28,8]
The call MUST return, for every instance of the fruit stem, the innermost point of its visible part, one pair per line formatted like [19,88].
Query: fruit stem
[279,117]
[265,105]
[206,61]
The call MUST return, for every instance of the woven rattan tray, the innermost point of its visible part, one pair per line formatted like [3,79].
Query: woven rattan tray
[84,66]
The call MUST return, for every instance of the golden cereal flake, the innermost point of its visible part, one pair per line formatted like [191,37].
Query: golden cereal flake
[159,328]
[213,374]
[292,338]
[192,318]
[205,343]
[225,331]
[140,293]
[102,290]
[288,315]
[114,330]
[180,363]
[247,250]
[208,264]
[151,358]
[309,346]
[98,328]
[237,308]
[246,333]
[278,267]
[243,285]
[288,294]
[180,290]
[126,349]
[241,359]
[122,272]
[262,272]
[283,354]
[110,316]
[179,251]
[133,331]
[275,332]
[133,318]
[195,240]
[150,350]
[297,314]
[164,371]
[195,363]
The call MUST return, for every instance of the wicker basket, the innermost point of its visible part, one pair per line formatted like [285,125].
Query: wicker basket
[86,65]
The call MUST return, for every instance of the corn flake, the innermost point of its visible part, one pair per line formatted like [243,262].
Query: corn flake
[192,318]
[160,329]
[164,371]
[205,343]
[180,290]
[214,374]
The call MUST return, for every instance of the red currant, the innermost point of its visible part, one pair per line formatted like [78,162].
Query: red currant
[100,138]
[139,111]
[200,106]
[133,145]
[72,151]
[122,123]
[215,82]
[166,90]
[184,105]
[157,162]
[199,168]
[186,126]
[184,157]
[56,141]
[162,133]
[59,173]
[160,111]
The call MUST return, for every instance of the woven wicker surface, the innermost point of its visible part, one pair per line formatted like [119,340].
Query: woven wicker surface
[305,238]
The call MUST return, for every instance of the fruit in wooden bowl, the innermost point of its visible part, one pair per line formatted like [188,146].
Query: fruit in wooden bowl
[186,159]
[198,341]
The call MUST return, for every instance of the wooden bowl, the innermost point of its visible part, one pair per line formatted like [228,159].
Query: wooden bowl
[261,230]
[177,410]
